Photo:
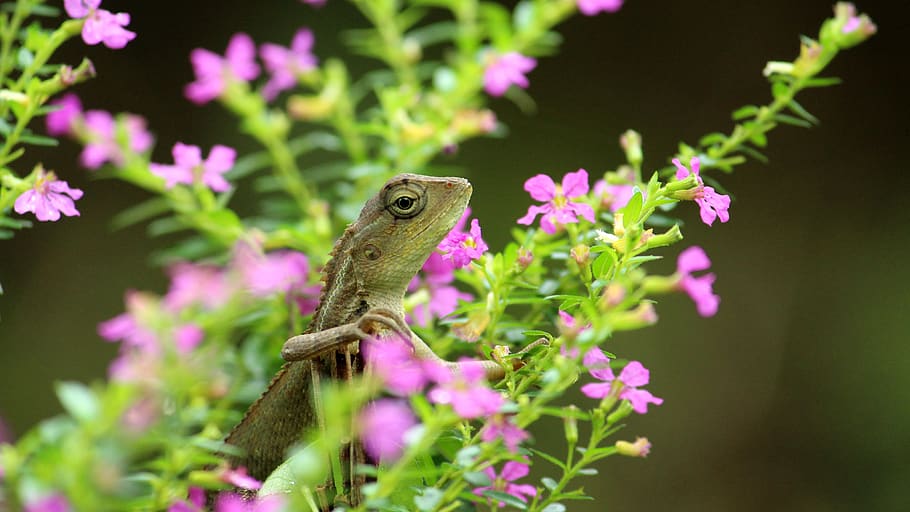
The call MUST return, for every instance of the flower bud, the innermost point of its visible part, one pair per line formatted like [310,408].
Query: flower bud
[640,448]
[812,58]
[309,108]
[500,352]
[581,253]
[631,144]
[847,29]
[671,236]
[612,295]
[525,257]
[570,424]
[624,409]
[642,316]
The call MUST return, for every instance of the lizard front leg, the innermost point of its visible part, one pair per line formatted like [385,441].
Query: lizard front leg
[310,345]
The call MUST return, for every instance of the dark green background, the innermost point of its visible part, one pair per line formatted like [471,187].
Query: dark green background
[795,396]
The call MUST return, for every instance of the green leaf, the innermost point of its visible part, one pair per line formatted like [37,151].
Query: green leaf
[78,400]
[24,58]
[779,89]
[478,478]
[554,507]
[603,264]
[754,153]
[498,23]
[434,33]
[744,112]
[38,140]
[141,212]
[549,458]
[548,482]
[712,138]
[791,120]
[798,109]
[822,82]
[506,498]
[465,457]
[632,209]
[759,138]
[429,498]
[587,471]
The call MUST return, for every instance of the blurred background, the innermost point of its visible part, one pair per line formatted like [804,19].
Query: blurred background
[796,396]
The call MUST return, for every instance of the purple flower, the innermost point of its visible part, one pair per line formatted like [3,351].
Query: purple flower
[101,26]
[189,167]
[504,70]
[592,7]
[711,204]
[286,63]
[100,136]
[196,284]
[466,390]
[633,375]
[141,415]
[511,471]
[392,360]
[195,502]
[461,248]
[500,426]
[231,502]
[60,121]
[699,289]
[434,278]
[48,198]
[213,71]
[558,207]
[314,3]
[51,503]
[383,425]
[613,197]
[277,272]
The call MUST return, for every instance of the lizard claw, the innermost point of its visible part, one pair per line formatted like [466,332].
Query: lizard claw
[386,319]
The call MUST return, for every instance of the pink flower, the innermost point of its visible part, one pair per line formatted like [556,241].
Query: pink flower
[500,426]
[633,375]
[239,478]
[189,167]
[51,503]
[613,197]
[100,135]
[141,415]
[101,26]
[60,121]
[383,425]
[504,70]
[277,272]
[461,248]
[711,204]
[466,390]
[196,284]
[188,337]
[314,3]
[511,471]
[435,277]
[195,502]
[231,502]
[286,63]
[393,361]
[213,71]
[48,198]
[558,207]
[699,289]
[592,7]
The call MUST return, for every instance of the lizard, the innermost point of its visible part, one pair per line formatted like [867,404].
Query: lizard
[365,280]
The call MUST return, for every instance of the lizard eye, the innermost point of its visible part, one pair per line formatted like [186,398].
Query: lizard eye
[405,202]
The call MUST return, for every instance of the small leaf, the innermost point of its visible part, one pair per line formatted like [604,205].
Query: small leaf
[429,498]
[478,478]
[799,110]
[587,471]
[603,264]
[632,209]
[554,507]
[549,458]
[24,58]
[822,82]
[744,112]
[548,482]
[141,212]
[465,457]
[779,90]
[78,400]
[38,140]
[791,120]
[506,498]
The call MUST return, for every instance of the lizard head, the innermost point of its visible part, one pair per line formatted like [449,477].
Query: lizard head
[400,227]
